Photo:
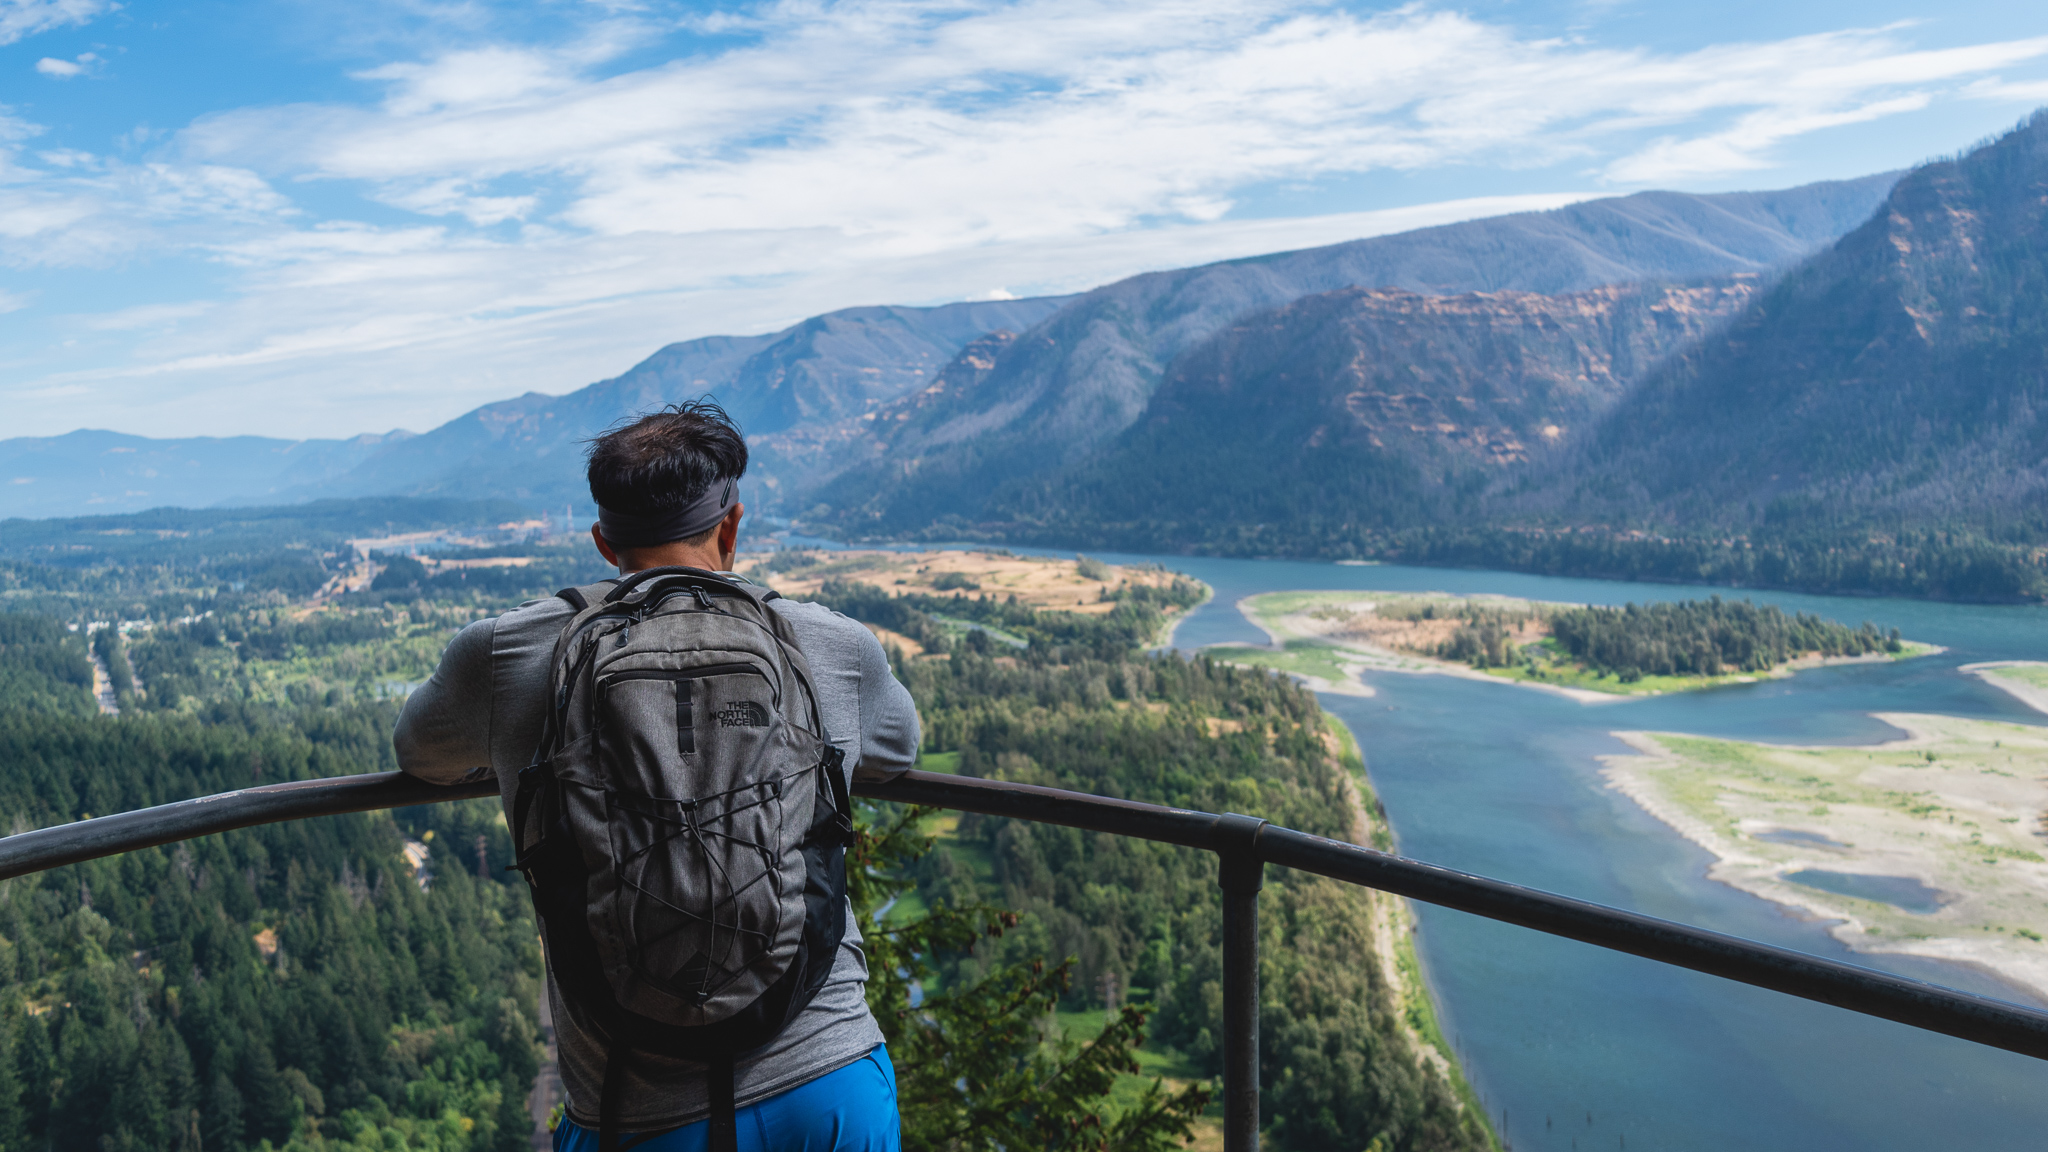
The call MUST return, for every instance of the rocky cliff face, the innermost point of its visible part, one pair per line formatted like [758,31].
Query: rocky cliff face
[781,461]
[1379,405]
[1480,378]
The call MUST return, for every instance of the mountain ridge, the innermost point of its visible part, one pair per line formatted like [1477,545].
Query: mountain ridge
[1088,371]
[1898,379]
[837,389]
[1383,405]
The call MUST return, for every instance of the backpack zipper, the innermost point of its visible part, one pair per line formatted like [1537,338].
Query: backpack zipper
[605,682]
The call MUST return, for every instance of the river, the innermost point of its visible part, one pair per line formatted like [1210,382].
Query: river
[1575,1047]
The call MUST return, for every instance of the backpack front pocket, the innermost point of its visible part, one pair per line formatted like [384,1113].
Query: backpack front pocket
[695,826]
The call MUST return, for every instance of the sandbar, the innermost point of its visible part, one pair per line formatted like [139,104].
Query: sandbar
[1933,842]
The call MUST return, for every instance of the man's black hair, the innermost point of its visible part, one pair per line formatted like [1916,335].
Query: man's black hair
[666,458]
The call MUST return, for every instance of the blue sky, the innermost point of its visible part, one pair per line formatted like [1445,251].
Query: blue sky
[319,219]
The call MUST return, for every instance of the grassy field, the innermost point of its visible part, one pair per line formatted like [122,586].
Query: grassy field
[1298,658]
[2032,675]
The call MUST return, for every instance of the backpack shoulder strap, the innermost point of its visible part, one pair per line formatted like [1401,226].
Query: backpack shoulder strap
[579,598]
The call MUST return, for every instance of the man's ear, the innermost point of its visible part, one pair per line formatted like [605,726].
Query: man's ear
[604,547]
[729,532]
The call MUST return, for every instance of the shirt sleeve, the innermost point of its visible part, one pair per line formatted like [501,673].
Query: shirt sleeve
[889,729]
[444,733]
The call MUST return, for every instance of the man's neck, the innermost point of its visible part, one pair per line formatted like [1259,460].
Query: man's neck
[676,555]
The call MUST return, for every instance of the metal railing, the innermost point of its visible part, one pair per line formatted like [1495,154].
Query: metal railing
[1244,845]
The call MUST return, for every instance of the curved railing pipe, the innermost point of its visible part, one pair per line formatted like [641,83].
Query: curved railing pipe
[63,844]
[1243,845]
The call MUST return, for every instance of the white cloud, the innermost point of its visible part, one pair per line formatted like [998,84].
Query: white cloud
[2033,92]
[20,19]
[570,212]
[1056,117]
[61,69]
[75,208]
[346,333]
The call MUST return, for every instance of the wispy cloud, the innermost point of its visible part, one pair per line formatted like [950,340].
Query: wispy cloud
[1045,118]
[20,19]
[545,213]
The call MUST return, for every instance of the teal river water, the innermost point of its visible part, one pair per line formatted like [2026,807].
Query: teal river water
[1582,1048]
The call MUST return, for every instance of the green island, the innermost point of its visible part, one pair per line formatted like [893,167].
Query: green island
[370,981]
[1587,652]
[1934,844]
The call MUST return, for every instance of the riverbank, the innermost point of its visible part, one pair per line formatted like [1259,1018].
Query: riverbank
[1393,934]
[1929,845]
[1326,639]
[2023,680]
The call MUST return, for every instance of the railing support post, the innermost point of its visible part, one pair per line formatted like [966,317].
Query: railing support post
[1241,873]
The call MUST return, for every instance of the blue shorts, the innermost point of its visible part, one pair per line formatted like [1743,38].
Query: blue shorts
[851,1110]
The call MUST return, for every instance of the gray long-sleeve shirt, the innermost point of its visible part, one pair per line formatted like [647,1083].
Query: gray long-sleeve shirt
[481,712]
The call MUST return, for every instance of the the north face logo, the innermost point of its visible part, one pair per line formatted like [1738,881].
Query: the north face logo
[743,714]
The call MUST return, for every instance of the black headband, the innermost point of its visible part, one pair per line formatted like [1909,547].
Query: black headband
[667,525]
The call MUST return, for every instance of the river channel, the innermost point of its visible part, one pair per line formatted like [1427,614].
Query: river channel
[1575,1047]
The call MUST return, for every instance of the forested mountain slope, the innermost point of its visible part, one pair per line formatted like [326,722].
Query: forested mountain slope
[1872,421]
[1087,373]
[1377,406]
[1898,380]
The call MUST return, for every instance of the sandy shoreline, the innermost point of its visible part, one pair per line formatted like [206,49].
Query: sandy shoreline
[2028,694]
[1993,911]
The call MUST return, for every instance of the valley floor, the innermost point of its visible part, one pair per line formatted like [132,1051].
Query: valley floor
[1929,845]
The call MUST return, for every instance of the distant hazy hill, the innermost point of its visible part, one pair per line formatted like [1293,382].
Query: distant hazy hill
[1898,380]
[825,369]
[1062,390]
[90,472]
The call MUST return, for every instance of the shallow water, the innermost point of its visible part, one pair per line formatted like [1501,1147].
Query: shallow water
[1898,891]
[1799,839]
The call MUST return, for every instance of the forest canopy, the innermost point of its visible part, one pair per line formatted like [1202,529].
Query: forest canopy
[370,981]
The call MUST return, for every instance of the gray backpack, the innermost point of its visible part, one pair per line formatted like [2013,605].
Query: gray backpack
[683,827]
